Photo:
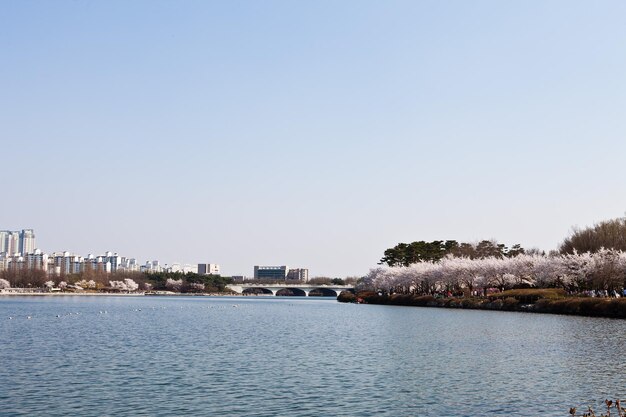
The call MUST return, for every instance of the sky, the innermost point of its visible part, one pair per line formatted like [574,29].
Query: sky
[312,134]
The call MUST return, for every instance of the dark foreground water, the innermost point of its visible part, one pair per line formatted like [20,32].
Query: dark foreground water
[201,356]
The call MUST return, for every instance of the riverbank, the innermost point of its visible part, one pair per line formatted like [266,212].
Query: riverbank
[532,301]
[65,294]
[110,294]
[135,294]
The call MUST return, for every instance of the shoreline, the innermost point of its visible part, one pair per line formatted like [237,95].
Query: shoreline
[613,308]
[90,294]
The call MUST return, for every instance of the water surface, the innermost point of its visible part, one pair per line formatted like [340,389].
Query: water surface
[283,356]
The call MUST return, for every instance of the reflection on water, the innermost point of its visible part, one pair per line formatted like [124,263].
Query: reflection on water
[166,356]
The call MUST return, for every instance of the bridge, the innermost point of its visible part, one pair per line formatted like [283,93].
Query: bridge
[302,289]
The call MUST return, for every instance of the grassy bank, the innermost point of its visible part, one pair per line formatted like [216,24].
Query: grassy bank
[551,301]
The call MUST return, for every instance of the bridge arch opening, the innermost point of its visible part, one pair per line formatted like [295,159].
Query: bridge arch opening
[323,292]
[257,291]
[291,292]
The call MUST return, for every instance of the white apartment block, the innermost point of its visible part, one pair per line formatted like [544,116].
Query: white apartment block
[66,263]
[36,260]
[9,242]
[17,243]
[208,269]
[153,266]
[298,274]
[31,261]
[27,241]
[184,268]
[128,265]
[4,262]
[18,252]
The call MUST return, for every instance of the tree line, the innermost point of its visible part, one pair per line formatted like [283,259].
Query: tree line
[117,281]
[604,270]
[405,254]
[589,259]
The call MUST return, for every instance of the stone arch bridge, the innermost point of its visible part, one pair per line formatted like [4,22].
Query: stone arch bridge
[302,289]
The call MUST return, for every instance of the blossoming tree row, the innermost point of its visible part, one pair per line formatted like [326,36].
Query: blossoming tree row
[603,270]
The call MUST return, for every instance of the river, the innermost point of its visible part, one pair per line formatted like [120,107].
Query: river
[291,356]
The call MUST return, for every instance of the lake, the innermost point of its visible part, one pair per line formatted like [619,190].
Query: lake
[291,356]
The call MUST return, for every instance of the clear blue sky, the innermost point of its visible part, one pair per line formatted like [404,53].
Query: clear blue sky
[311,134]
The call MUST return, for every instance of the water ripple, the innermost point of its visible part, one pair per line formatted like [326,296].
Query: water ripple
[134,356]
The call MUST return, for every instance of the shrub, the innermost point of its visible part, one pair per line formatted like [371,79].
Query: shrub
[510,304]
[454,303]
[346,297]
[613,308]
[371,297]
[495,305]
[598,307]
[400,299]
[588,306]
[530,295]
[554,302]
[620,307]
[470,303]
[422,301]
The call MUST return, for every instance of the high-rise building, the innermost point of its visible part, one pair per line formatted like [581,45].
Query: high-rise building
[151,266]
[27,241]
[9,242]
[98,264]
[36,260]
[4,241]
[114,259]
[128,265]
[12,243]
[208,269]
[4,262]
[62,263]
[66,263]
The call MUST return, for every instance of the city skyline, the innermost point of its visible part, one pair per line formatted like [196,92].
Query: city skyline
[309,133]
[14,240]
[19,246]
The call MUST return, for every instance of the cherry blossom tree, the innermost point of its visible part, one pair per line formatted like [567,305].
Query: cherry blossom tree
[173,284]
[118,285]
[462,273]
[91,284]
[126,285]
[496,273]
[577,270]
[131,285]
[608,270]
[549,271]
[196,286]
[603,270]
